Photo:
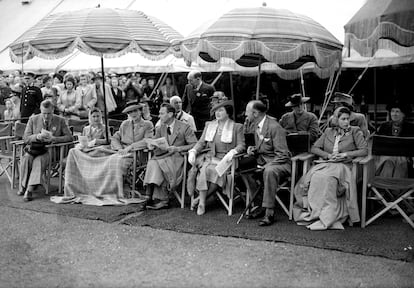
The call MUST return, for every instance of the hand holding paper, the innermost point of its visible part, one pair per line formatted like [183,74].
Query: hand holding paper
[160,143]
[225,163]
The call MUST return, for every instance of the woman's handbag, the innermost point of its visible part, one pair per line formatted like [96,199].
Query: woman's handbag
[36,148]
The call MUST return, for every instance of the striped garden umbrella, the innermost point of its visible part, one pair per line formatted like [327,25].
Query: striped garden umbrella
[97,31]
[382,25]
[256,35]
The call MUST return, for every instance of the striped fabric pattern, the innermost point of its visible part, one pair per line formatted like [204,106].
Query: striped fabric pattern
[97,31]
[278,36]
[377,23]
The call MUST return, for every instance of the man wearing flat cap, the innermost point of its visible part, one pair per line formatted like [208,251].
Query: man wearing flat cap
[299,120]
[31,98]
[355,119]
[196,98]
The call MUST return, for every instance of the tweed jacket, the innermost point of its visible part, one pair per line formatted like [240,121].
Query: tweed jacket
[196,102]
[57,126]
[307,122]
[237,142]
[356,119]
[353,143]
[126,135]
[271,145]
[182,136]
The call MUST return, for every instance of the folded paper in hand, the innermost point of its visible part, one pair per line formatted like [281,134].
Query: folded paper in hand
[225,163]
[160,143]
[47,133]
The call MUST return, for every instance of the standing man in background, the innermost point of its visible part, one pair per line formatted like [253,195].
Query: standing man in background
[196,98]
[31,98]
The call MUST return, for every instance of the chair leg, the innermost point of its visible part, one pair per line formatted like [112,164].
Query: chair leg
[49,174]
[389,205]
[292,187]
[365,186]
[134,170]
[13,167]
[183,184]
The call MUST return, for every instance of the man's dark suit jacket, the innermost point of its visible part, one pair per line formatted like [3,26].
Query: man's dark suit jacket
[197,102]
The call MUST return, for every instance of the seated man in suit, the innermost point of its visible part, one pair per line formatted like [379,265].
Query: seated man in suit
[42,129]
[299,120]
[165,170]
[271,152]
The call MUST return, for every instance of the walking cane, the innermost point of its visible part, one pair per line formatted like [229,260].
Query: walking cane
[250,203]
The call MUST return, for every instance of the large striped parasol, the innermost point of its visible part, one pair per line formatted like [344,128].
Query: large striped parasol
[97,31]
[256,35]
[382,25]
[103,32]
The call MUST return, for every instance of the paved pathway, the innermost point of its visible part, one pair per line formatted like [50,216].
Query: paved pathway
[47,250]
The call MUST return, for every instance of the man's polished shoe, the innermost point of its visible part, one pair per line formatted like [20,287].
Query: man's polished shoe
[267,220]
[158,204]
[259,212]
[20,193]
[27,197]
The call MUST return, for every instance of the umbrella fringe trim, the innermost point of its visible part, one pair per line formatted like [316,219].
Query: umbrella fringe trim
[385,30]
[257,47]
[30,51]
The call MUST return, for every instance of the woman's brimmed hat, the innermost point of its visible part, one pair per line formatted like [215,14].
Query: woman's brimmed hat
[131,106]
[296,100]
[221,104]
[403,106]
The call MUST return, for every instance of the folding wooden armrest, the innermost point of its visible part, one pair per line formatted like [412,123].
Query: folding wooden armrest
[6,137]
[364,160]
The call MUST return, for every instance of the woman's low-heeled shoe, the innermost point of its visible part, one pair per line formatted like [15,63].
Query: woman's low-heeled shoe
[267,220]
[27,197]
[194,203]
[201,210]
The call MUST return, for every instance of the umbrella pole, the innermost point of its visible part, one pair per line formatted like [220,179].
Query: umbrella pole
[22,57]
[232,93]
[104,96]
[258,82]
[375,97]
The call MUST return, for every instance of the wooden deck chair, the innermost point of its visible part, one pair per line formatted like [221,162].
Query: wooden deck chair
[57,153]
[180,195]
[17,146]
[391,192]
[6,151]
[299,147]
[141,157]
[227,201]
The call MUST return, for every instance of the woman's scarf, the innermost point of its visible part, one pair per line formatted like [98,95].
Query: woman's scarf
[226,134]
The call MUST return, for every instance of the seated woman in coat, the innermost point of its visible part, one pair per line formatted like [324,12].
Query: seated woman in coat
[395,166]
[95,131]
[97,176]
[224,138]
[326,196]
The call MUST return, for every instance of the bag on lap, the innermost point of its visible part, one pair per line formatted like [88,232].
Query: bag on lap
[36,148]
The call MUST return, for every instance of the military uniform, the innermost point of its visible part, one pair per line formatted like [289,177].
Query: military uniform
[30,102]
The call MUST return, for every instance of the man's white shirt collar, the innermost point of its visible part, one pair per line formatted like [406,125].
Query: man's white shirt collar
[261,123]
